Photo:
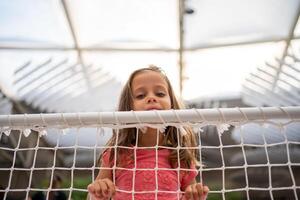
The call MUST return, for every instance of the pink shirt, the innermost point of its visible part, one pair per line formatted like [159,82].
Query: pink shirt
[145,180]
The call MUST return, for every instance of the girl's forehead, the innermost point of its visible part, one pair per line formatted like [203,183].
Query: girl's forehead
[149,77]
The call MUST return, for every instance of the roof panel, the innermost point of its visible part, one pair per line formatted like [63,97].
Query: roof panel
[233,21]
[221,71]
[33,23]
[24,62]
[103,28]
[120,64]
[118,23]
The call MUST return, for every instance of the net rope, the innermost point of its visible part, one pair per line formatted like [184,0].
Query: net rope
[285,120]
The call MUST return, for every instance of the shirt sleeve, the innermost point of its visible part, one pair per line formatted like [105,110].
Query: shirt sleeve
[187,176]
[105,159]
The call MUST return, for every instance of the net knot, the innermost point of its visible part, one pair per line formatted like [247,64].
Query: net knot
[26,132]
[222,128]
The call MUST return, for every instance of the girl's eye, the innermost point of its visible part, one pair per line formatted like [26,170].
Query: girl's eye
[140,96]
[160,94]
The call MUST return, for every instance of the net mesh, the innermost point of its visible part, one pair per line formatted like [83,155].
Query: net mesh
[241,158]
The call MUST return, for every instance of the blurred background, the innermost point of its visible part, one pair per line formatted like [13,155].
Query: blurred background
[75,55]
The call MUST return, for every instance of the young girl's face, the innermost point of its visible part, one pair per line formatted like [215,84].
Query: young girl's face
[150,91]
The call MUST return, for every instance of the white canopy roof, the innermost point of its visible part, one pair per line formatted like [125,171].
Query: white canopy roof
[74,55]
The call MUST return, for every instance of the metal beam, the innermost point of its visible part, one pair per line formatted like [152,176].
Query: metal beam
[280,79]
[181,9]
[284,100]
[66,102]
[282,62]
[61,100]
[49,82]
[61,85]
[22,67]
[253,42]
[282,91]
[100,48]
[295,78]
[76,44]
[27,84]
[288,42]
[71,27]
[258,98]
[32,70]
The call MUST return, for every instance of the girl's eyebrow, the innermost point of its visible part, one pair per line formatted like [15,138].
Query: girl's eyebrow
[139,89]
[158,86]
[161,87]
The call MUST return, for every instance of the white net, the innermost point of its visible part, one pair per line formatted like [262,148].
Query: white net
[246,153]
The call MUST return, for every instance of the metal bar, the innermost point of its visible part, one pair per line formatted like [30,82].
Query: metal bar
[59,78]
[211,46]
[76,43]
[22,67]
[256,98]
[294,57]
[57,88]
[34,79]
[163,49]
[288,42]
[288,65]
[221,115]
[59,102]
[289,75]
[99,48]
[251,98]
[70,104]
[71,26]
[265,99]
[286,92]
[282,80]
[38,67]
[267,91]
[181,9]
[69,81]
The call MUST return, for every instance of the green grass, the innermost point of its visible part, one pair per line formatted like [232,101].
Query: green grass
[228,195]
[81,183]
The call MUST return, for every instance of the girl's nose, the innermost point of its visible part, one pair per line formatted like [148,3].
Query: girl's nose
[151,99]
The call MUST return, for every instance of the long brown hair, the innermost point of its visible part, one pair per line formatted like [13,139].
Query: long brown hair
[127,137]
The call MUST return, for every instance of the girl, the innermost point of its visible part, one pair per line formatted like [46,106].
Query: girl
[148,89]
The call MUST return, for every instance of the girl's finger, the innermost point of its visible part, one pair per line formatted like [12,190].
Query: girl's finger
[199,188]
[93,197]
[111,187]
[188,193]
[101,186]
[104,188]
[95,189]
[91,188]
[205,189]
[205,193]
[195,192]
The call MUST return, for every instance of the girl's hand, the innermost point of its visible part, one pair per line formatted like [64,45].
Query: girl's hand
[101,189]
[196,191]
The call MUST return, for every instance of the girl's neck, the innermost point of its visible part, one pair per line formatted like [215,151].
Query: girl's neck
[149,139]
